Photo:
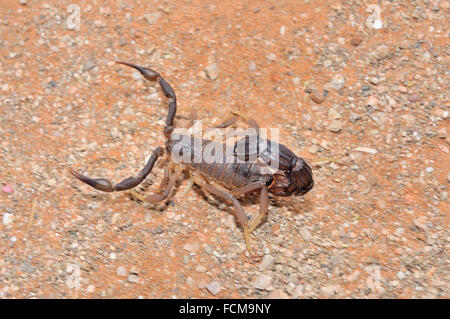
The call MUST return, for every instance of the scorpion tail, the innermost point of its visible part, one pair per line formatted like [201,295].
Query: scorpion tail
[152,75]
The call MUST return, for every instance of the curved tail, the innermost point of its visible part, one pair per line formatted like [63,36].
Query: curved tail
[152,75]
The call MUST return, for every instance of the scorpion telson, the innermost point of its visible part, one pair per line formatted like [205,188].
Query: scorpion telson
[280,173]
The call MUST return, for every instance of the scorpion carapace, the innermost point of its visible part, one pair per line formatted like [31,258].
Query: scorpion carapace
[279,172]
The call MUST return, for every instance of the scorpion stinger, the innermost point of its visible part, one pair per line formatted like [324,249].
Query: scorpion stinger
[152,75]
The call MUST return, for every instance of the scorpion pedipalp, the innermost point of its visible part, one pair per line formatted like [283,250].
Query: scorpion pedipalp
[106,186]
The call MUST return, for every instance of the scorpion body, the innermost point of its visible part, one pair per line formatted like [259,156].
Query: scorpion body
[228,174]
[281,173]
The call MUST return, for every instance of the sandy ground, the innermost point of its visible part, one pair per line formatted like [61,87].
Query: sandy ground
[361,96]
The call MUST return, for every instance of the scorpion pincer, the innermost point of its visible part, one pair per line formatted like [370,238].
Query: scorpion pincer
[280,173]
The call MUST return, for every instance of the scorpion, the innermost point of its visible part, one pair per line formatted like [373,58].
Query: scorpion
[282,175]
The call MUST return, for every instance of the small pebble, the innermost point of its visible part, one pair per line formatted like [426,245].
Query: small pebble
[317,98]
[333,114]
[335,126]
[7,218]
[327,63]
[266,263]
[327,291]
[133,278]
[214,287]
[262,282]
[212,72]
[338,82]
[306,235]
[442,133]
[90,289]
[121,271]
[152,17]
[401,275]
[271,57]
[366,150]
[372,101]
[200,269]
[356,40]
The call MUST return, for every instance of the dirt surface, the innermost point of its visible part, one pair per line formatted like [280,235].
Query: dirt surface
[365,100]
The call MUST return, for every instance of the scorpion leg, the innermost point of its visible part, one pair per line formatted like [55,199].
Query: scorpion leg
[250,122]
[191,120]
[240,214]
[154,198]
[228,122]
[188,186]
[165,180]
[236,116]
[162,184]
[263,198]
[246,153]
[130,182]
[247,188]
[263,208]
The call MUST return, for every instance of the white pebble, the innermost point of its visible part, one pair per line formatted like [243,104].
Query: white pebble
[366,150]
[271,57]
[263,282]
[401,275]
[214,287]
[7,218]
[121,271]
[377,24]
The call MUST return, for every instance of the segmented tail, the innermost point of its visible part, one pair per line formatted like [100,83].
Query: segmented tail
[167,90]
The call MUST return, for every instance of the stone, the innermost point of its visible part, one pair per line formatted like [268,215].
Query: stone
[214,287]
[356,40]
[366,150]
[212,72]
[121,271]
[266,263]
[305,234]
[337,82]
[271,57]
[200,269]
[263,282]
[7,218]
[152,17]
[335,126]
[333,114]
